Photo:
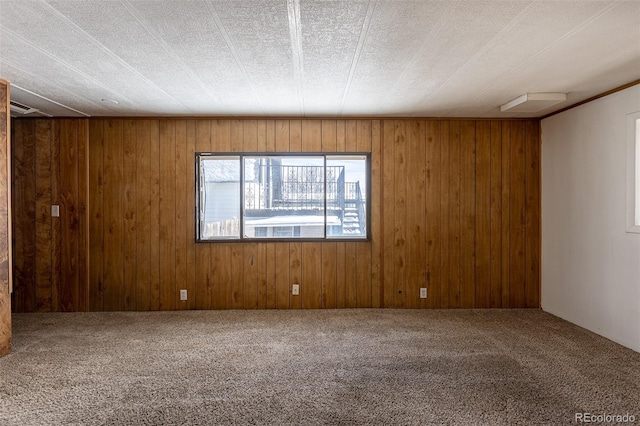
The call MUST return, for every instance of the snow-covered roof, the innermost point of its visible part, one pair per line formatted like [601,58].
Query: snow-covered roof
[292,220]
[227,170]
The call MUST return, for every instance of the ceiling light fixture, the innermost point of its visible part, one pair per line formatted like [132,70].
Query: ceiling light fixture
[533,102]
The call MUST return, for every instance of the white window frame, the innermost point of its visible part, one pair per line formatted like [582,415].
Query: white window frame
[633,172]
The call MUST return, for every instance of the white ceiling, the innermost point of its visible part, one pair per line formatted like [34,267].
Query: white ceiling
[313,58]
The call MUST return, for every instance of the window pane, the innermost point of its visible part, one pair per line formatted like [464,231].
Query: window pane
[346,196]
[219,197]
[283,197]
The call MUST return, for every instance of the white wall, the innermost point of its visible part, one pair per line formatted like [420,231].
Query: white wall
[590,265]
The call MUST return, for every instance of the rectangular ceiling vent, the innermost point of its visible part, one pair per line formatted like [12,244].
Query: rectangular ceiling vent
[22,109]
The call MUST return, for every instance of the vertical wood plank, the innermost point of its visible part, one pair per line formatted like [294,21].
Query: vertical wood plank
[496,214]
[454,214]
[467,213]
[532,211]
[282,275]
[6,254]
[311,283]
[96,214]
[251,264]
[445,183]
[416,254]
[113,259]
[376,212]
[154,220]
[130,201]
[483,215]
[400,215]
[83,215]
[167,215]
[388,213]
[181,231]
[295,273]
[506,212]
[270,261]
[434,231]
[69,279]
[56,228]
[43,136]
[517,222]
[23,193]
[143,215]
[190,213]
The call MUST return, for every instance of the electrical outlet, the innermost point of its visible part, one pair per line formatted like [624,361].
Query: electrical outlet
[183,294]
[55,210]
[295,290]
[423,293]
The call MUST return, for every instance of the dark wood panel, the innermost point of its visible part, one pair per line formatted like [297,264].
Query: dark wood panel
[434,276]
[416,172]
[113,224]
[130,202]
[83,215]
[181,231]
[454,206]
[532,211]
[444,231]
[467,214]
[143,216]
[96,216]
[169,293]
[483,215]
[516,224]
[154,211]
[388,214]
[23,192]
[400,213]
[43,223]
[496,215]
[454,216]
[506,211]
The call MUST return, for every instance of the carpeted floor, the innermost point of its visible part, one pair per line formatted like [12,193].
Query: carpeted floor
[494,367]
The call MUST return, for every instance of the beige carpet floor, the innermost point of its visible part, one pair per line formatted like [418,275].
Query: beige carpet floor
[348,367]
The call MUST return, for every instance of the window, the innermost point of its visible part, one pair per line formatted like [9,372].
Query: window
[633,172]
[282,196]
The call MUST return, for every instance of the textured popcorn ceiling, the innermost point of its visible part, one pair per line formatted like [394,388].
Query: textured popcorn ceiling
[313,58]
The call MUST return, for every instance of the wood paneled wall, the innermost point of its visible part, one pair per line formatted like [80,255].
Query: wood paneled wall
[455,208]
[50,167]
[5,246]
